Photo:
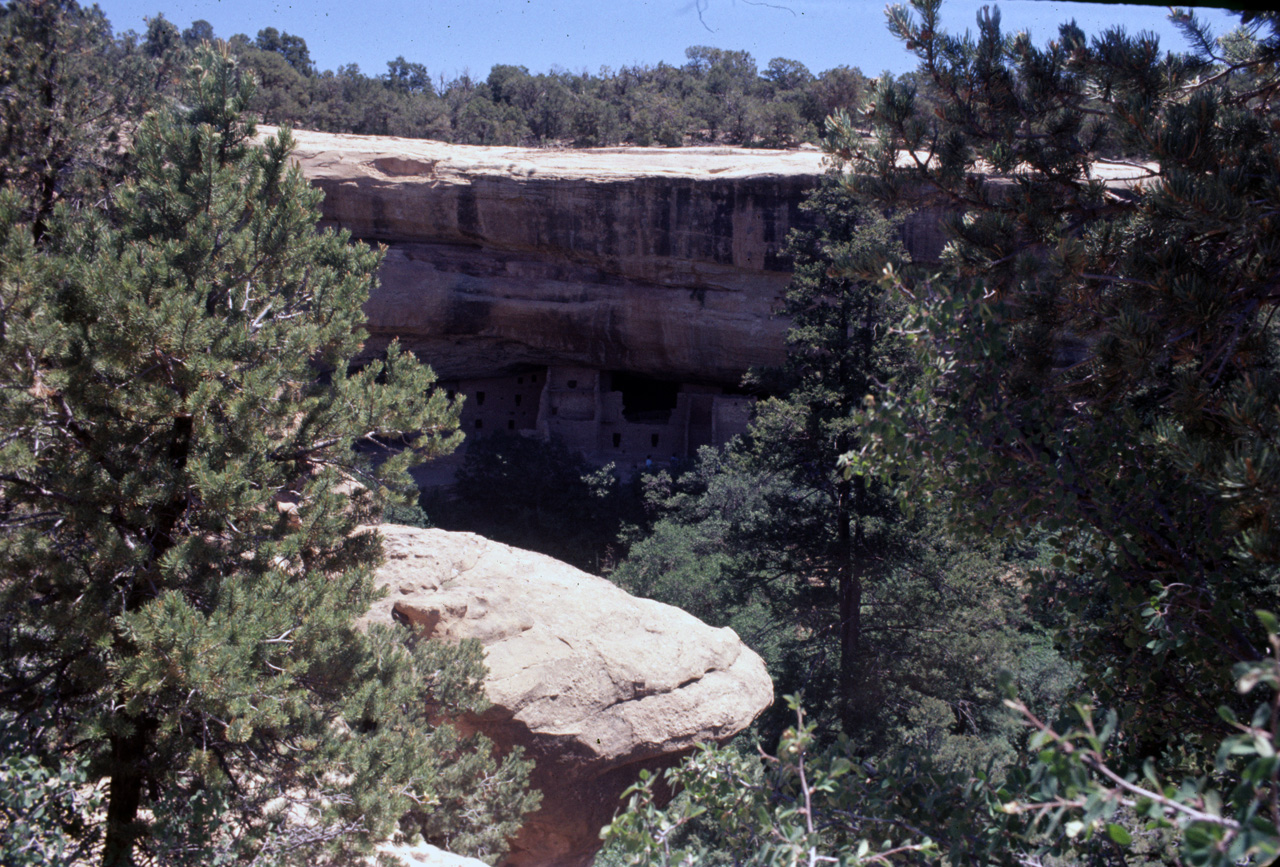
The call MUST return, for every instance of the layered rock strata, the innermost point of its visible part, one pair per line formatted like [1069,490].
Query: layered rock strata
[664,262]
[648,276]
[595,684]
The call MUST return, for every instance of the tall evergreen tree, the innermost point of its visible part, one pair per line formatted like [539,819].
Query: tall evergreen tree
[840,350]
[826,576]
[185,462]
[1101,337]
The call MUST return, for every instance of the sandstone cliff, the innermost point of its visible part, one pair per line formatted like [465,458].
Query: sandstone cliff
[593,683]
[661,262]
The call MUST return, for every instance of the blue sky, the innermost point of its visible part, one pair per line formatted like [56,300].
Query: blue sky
[452,37]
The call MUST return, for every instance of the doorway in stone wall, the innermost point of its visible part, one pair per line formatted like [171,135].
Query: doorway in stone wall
[645,400]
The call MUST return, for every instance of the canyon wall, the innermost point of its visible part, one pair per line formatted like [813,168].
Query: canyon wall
[661,262]
[642,281]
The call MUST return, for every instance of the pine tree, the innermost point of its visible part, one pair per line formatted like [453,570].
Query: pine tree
[69,94]
[1098,373]
[1102,354]
[840,349]
[187,458]
[827,577]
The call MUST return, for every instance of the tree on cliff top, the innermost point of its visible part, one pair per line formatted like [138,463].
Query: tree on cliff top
[179,571]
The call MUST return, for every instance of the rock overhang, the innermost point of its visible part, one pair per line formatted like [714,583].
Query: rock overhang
[667,262]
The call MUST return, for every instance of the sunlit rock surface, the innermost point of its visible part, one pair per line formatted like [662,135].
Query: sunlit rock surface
[595,684]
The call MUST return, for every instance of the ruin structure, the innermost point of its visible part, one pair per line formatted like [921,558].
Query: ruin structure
[628,419]
[612,297]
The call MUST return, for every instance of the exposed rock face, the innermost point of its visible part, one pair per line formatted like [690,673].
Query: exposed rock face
[661,262]
[595,684]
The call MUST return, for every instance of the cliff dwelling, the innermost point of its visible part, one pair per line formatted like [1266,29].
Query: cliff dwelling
[608,416]
[613,297]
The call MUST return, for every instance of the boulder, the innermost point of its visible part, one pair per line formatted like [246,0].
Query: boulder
[426,855]
[595,684]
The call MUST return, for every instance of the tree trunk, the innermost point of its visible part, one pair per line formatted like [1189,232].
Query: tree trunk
[128,757]
[848,552]
[129,752]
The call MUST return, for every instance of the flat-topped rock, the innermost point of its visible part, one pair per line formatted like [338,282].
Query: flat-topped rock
[340,155]
[425,855]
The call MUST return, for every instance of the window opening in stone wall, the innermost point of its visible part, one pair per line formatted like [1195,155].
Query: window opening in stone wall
[511,425]
[519,380]
[653,440]
[573,383]
[617,441]
[519,397]
[533,378]
[479,423]
[479,398]
[645,400]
